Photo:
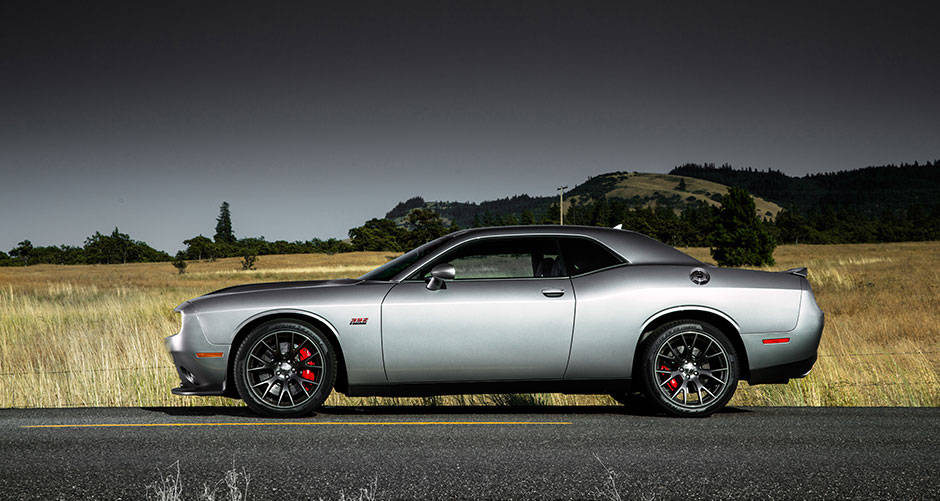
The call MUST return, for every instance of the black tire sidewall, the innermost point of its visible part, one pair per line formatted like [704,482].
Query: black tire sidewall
[320,393]
[651,347]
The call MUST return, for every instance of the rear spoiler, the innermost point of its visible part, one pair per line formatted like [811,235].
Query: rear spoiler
[800,272]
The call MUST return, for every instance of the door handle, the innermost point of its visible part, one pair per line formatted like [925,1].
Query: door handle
[553,292]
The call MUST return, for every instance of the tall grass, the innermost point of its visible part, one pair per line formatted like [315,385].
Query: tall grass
[93,335]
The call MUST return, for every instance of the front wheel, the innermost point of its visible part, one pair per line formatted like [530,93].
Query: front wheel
[285,368]
[689,368]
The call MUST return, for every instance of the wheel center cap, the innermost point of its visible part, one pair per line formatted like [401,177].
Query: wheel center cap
[286,367]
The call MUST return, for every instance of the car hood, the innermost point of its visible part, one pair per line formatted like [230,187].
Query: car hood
[283,285]
[229,292]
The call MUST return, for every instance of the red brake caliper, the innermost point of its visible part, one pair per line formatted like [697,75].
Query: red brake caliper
[306,373]
[672,384]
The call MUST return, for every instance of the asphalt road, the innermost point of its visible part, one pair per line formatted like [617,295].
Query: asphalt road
[496,453]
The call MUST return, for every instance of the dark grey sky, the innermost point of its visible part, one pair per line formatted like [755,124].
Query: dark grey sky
[309,120]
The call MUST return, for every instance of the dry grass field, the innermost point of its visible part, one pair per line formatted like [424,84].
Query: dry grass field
[93,335]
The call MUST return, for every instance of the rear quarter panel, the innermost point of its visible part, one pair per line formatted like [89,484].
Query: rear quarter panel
[614,305]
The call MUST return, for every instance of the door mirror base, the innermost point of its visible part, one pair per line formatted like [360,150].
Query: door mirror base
[439,273]
[435,283]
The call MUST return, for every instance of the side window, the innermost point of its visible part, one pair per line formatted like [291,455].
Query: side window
[584,255]
[507,257]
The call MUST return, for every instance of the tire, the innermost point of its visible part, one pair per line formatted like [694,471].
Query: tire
[689,368]
[285,368]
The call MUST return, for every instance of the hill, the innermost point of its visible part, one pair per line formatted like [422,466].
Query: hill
[869,192]
[636,189]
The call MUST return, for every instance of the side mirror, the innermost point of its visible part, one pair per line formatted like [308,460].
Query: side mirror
[441,272]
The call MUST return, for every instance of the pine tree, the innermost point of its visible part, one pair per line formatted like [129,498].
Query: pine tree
[223,226]
[740,237]
[527,217]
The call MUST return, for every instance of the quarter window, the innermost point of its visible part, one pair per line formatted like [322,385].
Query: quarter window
[583,255]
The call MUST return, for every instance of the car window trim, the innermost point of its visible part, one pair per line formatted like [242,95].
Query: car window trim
[407,273]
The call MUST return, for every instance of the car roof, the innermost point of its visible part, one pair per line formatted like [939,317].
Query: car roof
[636,248]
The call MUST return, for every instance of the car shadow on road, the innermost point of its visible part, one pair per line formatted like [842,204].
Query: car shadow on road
[430,410]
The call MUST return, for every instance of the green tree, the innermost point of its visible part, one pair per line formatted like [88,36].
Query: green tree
[119,248]
[601,216]
[551,215]
[527,217]
[740,238]
[180,262]
[122,246]
[426,225]
[378,235]
[200,247]
[23,252]
[248,260]
[223,225]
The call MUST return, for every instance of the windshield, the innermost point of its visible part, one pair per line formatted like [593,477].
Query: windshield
[402,262]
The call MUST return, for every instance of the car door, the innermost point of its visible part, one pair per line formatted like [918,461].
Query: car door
[507,315]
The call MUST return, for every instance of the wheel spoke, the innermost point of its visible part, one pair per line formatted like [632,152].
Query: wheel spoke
[672,350]
[670,378]
[289,395]
[300,382]
[711,376]
[265,343]
[280,396]
[678,390]
[714,397]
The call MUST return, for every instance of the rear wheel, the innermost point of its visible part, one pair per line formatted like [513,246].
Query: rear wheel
[285,368]
[689,368]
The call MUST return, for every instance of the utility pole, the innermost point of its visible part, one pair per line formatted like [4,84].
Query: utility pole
[561,204]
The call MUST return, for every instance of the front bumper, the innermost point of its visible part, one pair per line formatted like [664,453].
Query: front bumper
[780,362]
[204,376]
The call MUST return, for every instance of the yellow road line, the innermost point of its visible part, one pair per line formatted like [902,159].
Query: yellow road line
[296,423]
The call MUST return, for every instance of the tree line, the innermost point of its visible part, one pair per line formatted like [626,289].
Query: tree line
[115,248]
[696,224]
[889,203]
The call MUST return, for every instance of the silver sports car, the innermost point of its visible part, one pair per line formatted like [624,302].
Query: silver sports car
[567,309]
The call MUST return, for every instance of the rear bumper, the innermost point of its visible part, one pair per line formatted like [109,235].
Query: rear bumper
[198,376]
[782,373]
[781,361]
